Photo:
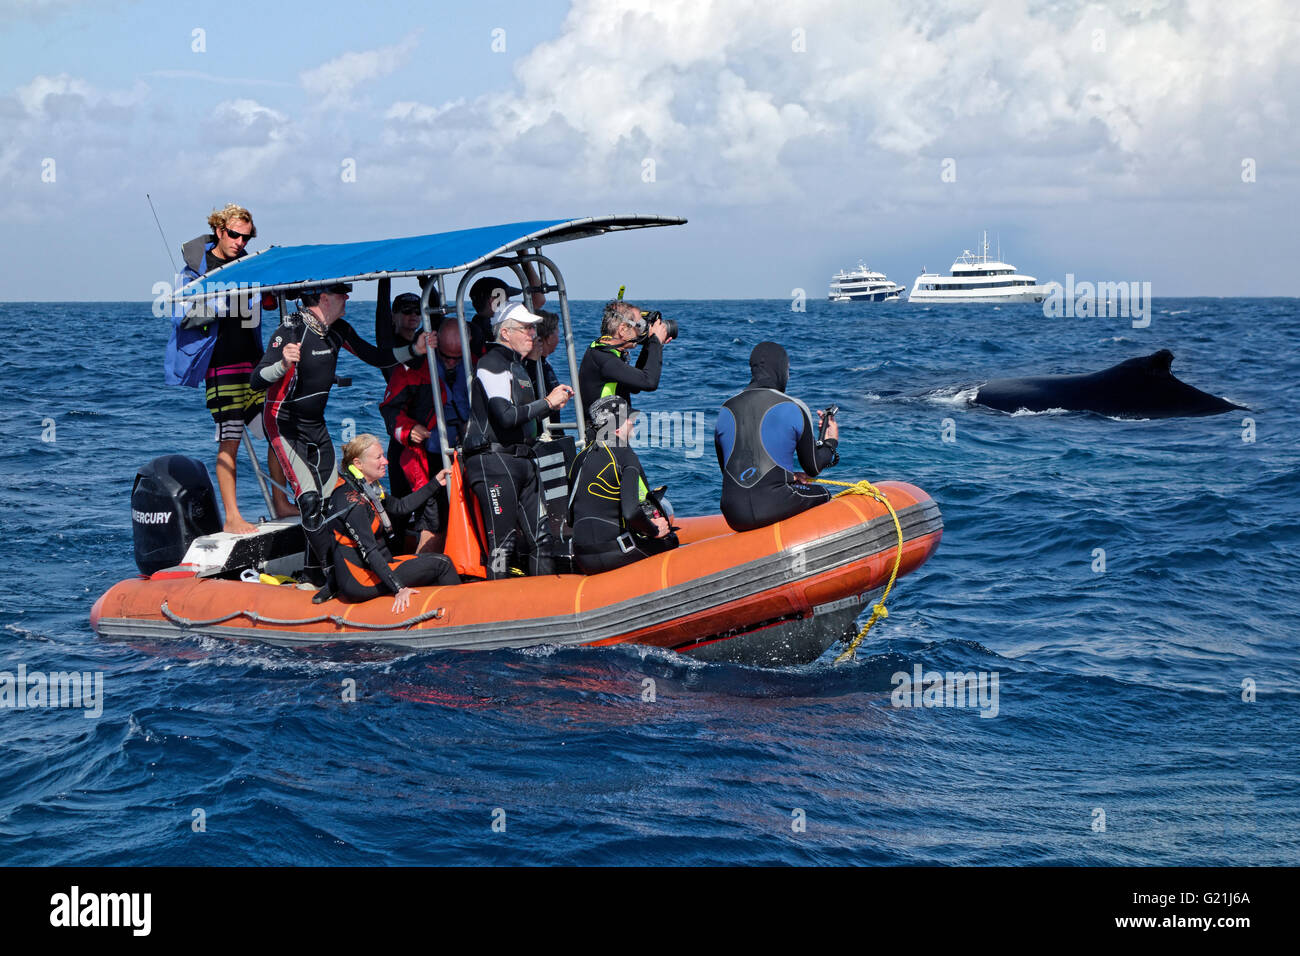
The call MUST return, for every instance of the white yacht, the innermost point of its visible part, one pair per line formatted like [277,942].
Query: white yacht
[977,278]
[863,285]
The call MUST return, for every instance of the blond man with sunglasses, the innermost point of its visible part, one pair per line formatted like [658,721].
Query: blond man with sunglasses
[234,324]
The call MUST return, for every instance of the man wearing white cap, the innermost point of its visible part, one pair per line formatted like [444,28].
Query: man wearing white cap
[504,423]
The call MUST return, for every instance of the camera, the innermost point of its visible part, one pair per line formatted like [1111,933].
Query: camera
[830,412]
[649,318]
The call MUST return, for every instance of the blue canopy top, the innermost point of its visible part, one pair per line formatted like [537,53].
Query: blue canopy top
[283,268]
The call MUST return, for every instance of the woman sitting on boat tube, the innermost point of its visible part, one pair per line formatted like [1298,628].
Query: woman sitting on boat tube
[361,516]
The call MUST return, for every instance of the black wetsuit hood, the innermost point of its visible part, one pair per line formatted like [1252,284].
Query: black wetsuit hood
[769,366]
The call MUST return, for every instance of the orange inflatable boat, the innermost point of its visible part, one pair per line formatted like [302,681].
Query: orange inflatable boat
[775,596]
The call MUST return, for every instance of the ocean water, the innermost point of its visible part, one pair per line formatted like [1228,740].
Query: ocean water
[1130,583]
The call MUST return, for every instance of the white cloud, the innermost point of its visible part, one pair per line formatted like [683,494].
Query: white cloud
[61,95]
[1127,95]
[1045,105]
[253,143]
[34,94]
[333,82]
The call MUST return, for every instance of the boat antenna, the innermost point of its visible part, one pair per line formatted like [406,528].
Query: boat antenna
[166,244]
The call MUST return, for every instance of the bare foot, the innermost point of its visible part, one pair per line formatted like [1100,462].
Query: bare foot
[238,525]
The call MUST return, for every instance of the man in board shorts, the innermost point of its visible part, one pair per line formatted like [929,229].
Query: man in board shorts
[238,347]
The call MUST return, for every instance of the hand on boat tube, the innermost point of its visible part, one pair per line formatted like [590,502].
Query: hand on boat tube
[403,600]
[292,353]
[422,344]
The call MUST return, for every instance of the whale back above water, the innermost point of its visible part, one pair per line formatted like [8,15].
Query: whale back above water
[1141,387]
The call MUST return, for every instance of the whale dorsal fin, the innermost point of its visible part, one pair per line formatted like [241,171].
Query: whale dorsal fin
[1160,361]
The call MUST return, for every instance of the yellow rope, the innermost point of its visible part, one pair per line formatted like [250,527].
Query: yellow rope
[878,610]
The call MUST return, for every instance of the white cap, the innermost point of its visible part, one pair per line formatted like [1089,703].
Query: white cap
[514,312]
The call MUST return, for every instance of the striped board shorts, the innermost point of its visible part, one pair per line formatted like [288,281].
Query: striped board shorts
[232,402]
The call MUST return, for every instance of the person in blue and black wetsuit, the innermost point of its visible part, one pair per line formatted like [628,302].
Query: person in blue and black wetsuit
[767,448]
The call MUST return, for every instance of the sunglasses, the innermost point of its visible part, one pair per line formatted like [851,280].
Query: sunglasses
[409,310]
[239,235]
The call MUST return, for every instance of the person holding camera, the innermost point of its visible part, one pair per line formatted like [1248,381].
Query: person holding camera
[616,518]
[605,370]
[767,449]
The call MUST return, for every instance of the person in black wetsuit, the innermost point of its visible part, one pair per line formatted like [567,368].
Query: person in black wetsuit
[297,373]
[489,295]
[616,519]
[399,323]
[548,339]
[498,447]
[767,448]
[361,519]
[605,370]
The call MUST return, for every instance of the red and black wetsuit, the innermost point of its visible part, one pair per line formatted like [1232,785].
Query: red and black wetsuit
[294,415]
[296,395]
[364,568]
[409,402]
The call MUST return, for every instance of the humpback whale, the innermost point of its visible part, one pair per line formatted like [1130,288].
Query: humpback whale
[1140,387]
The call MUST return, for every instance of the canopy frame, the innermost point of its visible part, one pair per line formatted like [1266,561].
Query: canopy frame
[223,280]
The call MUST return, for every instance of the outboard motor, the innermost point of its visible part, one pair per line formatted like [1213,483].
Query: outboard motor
[172,503]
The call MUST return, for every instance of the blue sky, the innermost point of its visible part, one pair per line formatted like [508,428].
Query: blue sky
[1122,141]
